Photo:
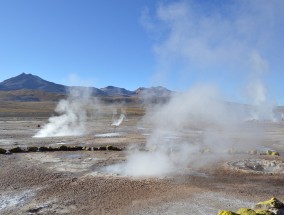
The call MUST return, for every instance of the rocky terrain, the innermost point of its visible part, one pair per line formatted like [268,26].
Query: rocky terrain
[78,182]
[82,168]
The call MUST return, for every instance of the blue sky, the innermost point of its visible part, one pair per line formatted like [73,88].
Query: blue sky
[130,43]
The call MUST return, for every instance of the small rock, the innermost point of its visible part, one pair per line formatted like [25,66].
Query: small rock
[264,212]
[274,153]
[102,148]
[32,149]
[16,150]
[272,203]
[43,149]
[224,212]
[75,148]
[258,167]
[113,148]
[246,211]
[63,148]
[86,148]
[2,151]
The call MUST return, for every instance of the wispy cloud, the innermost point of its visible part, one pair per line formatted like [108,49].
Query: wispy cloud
[221,38]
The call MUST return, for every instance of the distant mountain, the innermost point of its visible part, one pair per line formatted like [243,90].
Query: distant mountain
[31,82]
[153,95]
[116,91]
[153,92]
[28,87]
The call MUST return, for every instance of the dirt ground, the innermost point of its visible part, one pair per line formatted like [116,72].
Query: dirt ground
[75,183]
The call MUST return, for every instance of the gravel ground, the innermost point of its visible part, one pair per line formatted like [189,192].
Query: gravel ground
[72,183]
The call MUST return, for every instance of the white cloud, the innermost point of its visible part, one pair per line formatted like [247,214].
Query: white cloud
[199,37]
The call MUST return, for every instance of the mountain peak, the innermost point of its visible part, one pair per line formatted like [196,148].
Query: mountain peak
[117,91]
[26,81]
[158,91]
[31,82]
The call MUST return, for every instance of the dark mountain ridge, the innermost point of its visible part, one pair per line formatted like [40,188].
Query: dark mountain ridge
[117,91]
[31,82]
[28,83]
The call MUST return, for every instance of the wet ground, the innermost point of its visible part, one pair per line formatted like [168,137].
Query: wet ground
[77,182]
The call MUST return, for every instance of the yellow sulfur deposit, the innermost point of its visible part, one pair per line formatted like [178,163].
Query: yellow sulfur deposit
[263,212]
[246,211]
[272,203]
[269,152]
[270,207]
[226,213]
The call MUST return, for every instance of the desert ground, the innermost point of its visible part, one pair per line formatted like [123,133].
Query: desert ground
[78,182]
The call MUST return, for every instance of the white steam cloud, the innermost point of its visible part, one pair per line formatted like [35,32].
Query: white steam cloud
[193,129]
[230,41]
[72,115]
[117,122]
[204,41]
[262,107]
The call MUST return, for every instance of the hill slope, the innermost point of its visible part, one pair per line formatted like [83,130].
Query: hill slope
[28,87]
[116,91]
[31,82]
[29,96]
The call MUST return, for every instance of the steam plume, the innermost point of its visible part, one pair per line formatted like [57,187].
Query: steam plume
[117,122]
[183,128]
[263,108]
[72,115]
[200,40]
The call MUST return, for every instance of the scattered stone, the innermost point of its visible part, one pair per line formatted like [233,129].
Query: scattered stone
[270,207]
[63,148]
[2,151]
[102,148]
[16,150]
[60,148]
[44,149]
[75,148]
[32,149]
[37,209]
[224,212]
[246,211]
[86,148]
[112,148]
[272,203]
[264,212]
[109,147]
[38,126]
[275,153]
[277,211]
[70,148]
[256,167]
[52,149]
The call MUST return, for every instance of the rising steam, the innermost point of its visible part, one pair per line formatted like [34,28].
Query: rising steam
[262,107]
[183,129]
[201,41]
[72,115]
[117,122]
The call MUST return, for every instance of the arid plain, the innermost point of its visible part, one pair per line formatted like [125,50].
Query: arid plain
[80,182]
